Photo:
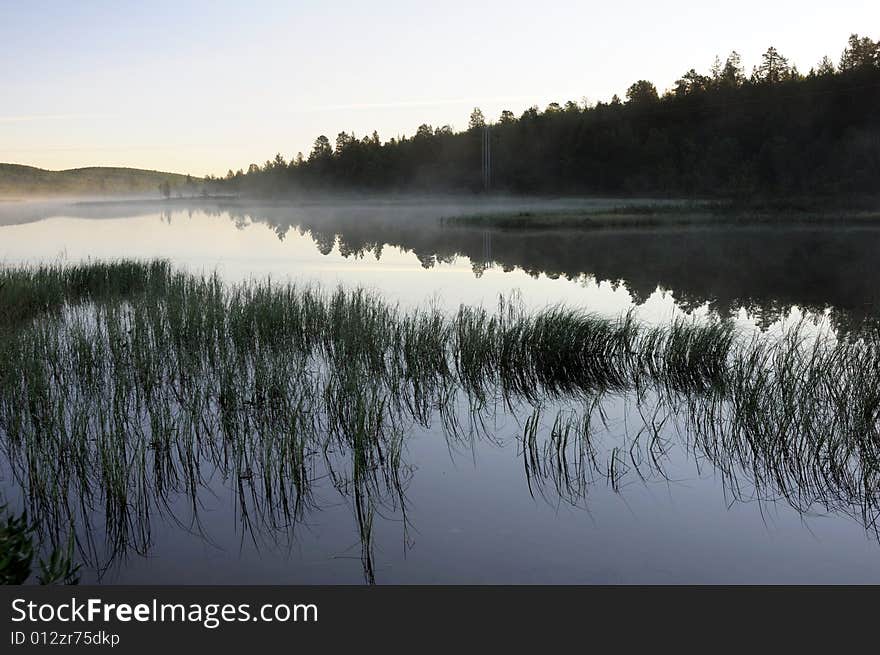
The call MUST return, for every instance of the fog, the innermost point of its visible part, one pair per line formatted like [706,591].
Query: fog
[766,269]
[406,207]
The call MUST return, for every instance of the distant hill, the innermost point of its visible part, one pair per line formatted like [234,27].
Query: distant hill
[22,181]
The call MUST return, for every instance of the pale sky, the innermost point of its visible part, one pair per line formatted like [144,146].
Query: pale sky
[201,87]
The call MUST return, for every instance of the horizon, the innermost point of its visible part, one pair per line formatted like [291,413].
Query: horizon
[510,294]
[182,89]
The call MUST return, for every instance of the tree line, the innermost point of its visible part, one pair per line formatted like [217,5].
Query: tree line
[775,131]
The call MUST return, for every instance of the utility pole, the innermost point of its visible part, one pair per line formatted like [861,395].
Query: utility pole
[487,157]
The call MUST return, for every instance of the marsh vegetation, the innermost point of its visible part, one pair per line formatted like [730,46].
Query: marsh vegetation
[130,389]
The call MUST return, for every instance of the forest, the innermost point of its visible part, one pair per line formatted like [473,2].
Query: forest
[775,131]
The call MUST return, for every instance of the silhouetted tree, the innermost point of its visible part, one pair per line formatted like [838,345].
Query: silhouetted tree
[321,149]
[825,67]
[343,141]
[715,134]
[732,74]
[641,92]
[860,52]
[690,82]
[773,68]
[424,132]
[476,119]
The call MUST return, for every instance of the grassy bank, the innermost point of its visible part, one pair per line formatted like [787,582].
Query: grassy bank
[776,212]
[124,385]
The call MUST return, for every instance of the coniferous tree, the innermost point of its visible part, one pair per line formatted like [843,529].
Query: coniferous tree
[715,134]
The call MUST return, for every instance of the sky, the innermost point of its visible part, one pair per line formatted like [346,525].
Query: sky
[202,87]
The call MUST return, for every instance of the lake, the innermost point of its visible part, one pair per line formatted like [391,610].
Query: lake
[489,508]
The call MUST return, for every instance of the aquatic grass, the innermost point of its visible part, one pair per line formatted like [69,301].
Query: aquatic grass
[635,217]
[127,386]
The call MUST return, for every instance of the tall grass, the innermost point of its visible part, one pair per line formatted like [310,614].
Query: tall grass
[125,386]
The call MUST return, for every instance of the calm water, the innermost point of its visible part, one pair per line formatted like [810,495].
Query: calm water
[472,514]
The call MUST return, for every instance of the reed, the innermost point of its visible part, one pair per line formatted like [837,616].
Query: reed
[125,386]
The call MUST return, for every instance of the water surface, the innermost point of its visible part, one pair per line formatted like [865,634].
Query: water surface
[473,514]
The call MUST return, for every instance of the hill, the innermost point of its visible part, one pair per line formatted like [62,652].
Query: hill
[22,181]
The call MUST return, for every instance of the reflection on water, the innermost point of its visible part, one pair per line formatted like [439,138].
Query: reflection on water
[764,272]
[634,485]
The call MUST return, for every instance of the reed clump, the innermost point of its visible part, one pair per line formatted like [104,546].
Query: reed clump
[125,385]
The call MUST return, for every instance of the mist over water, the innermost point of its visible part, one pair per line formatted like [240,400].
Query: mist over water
[350,306]
[468,511]
[767,273]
